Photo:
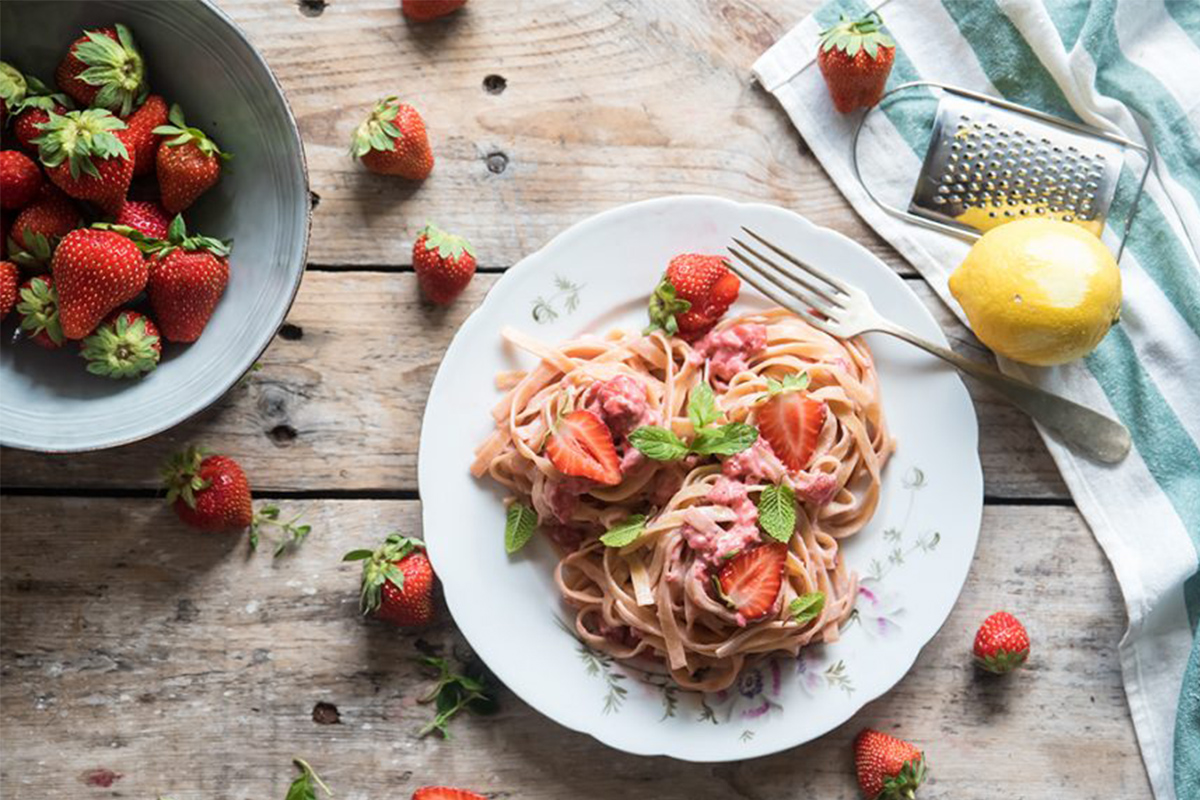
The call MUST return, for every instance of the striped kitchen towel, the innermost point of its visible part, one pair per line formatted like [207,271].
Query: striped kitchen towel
[1130,66]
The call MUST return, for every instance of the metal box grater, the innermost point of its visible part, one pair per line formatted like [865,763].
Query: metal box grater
[991,162]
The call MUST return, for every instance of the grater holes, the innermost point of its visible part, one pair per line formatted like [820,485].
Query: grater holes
[939,200]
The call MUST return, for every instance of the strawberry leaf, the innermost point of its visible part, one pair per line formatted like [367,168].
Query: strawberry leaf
[777,512]
[665,304]
[519,524]
[806,607]
[625,532]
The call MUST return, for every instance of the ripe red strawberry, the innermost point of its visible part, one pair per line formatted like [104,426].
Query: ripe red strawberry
[38,308]
[1001,644]
[444,263]
[125,345]
[35,110]
[104,69]
[791,421]
[392,141]
[10,277]
[145,216]
[189,163]
[208,492]
[37,230]
[397,581]
[95,271]
[855,56]
[425,10]
[750,582]
[188,275]
[693,295]
[139,135]
[582,446]
[85,158]
[13,87]
[445,793]
[888,768]
[20,179]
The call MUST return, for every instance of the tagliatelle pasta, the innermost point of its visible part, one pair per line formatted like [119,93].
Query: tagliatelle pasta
[652,600]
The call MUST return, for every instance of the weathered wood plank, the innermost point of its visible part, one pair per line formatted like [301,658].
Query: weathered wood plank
[605,103]
[339,400]
[131,644]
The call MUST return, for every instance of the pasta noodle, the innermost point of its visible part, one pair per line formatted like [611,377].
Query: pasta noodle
[652,600]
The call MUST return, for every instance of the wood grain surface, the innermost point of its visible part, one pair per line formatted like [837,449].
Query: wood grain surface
[139,659]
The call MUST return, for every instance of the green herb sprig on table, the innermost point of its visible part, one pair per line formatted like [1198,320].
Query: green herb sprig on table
[452,693]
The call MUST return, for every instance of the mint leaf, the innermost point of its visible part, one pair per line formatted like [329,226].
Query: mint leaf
[451,693]
[777,512]
[519,523]
[725,440]
[305,787]
[807,607]
[658,443]
[625,532]
[702,407]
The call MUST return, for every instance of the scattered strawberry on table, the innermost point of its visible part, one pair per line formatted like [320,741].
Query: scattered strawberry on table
[20,179]
[693,295]
[444,263]
[85,158]
[393,141]
[188,162]
[425,10]
[95,271]
[791,421]
[582,445]
[750,582]
[445,793]
[104,69]
[125,345]
[856,56]
[38,310]
[397,581]
[1001,644]
[888,768]
[10,278]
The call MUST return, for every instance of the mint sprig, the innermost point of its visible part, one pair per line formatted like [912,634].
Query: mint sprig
[806,607]
[625,532]
[305,787]
[662,444]
[777,512]
[519,524]
[453,692]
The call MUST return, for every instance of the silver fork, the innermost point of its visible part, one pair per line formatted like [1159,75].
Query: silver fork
[845,311]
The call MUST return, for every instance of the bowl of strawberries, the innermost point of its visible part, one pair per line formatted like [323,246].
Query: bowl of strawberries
[155,211]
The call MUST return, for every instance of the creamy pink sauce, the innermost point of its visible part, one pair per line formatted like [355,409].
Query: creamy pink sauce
[728,351]
[621,403]
[757,463]
[707,538]
[816,488]
[558,500]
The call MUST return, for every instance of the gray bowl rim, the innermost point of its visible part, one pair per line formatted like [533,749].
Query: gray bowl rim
[295,129]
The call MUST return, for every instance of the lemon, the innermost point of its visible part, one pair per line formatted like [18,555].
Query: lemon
[1039,291]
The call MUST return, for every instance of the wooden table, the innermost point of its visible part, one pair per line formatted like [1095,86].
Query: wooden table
[140,658]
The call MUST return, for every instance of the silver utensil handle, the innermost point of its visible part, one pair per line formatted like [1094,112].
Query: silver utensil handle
[1091,432]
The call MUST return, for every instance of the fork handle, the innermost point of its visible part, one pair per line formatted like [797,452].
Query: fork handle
[1091,432]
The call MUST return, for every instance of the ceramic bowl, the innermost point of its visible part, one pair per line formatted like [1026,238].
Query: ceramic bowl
[196,57]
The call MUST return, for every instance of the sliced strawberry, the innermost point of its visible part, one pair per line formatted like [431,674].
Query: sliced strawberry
[445,793]
[791,421]
[750,582]
[583,446]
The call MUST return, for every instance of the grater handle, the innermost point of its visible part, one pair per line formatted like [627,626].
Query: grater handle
[1090,432]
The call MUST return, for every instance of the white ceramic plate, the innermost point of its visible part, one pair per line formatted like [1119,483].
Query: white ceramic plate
[913,556]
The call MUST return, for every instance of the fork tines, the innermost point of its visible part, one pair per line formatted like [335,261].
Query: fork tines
[802,291]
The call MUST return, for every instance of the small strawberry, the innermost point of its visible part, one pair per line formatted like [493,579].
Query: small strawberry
[1002,644]
[750,582]
[85,158]
[40,226]
[104,69]
[397,581]
[34,111]
[444,263]
[425,10]
[189,163]
[188,275]
[139,135]
[444,792]
[20,179]
[855,56]
[693,295]
[146,217]
[582,445]
[12,89]
[888,768]
[10,278]
[392,141]
[125,345]
[95,271]
[38,308]
[209,492]
[791,421]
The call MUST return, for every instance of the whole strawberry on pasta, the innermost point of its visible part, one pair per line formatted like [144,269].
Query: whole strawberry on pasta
[693,295]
